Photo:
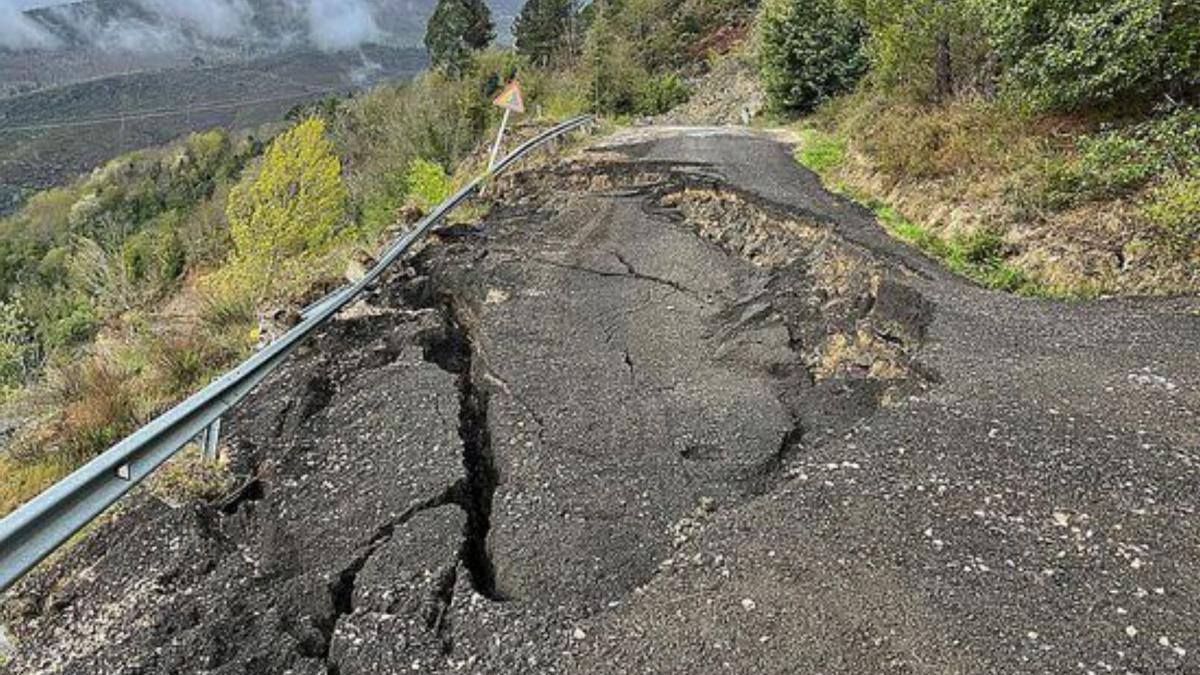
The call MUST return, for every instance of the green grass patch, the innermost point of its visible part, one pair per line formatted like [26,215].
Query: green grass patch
[1174,207]
[980,255]
[819,151]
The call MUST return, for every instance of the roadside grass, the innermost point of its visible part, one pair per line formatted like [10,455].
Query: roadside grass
[26,478]
[1057,205]
[819,151]
[981,255]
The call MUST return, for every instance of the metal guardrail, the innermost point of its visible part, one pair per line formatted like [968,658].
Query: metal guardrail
[46,522]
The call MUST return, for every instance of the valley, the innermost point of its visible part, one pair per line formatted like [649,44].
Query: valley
[51,135]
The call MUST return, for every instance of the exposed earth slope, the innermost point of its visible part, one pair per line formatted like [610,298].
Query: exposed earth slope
[674,408]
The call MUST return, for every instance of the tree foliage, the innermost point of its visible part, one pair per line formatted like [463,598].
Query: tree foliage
[1068,54]
[291,205]
[15,347]
[926,49]
[545,29]
[457,28]
[808,51]
[427,183]
[1046,54]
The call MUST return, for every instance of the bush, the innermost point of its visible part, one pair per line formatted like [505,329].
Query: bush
[100,405]
[154,257]
[427,183]
[1175,208]
[15,348]
[1070,54]
[381,133]
[1110,164]
[808,50]
[291,205]
[656,95]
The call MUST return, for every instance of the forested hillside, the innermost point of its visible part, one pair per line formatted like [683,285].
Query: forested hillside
[1043,146]
[1039,146]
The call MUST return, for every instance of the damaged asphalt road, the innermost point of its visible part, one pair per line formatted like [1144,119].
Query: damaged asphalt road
[673,408]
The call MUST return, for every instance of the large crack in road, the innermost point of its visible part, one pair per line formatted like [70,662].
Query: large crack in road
[673,408]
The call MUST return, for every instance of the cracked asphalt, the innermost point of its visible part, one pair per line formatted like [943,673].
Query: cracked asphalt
[673,408]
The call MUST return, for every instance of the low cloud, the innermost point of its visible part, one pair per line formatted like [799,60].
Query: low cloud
[18,31]
[217,19]
[335,25]
[181,25]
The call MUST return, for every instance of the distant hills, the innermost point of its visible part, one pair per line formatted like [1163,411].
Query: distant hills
[224,25]
[79,41]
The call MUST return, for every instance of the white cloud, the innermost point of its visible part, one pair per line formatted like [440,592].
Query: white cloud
[331,25]
[18,31]
[211,18]
[340,24]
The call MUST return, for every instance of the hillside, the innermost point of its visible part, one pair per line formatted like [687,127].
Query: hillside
[50,135]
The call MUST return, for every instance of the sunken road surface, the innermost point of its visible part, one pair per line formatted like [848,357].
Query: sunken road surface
[673,408]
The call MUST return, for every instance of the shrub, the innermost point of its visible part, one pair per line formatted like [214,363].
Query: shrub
[15,348]
[1110,164]
[655,95]
[1069,54]
[808,50]
[1175,208]
[155,256]
[183,362]
[289,206]
[100,405]
[427,183]
[433,117]
[59,317]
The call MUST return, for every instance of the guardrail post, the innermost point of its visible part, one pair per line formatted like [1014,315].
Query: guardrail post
[212,436]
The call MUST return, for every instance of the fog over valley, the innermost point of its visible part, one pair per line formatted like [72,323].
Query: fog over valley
[172,25]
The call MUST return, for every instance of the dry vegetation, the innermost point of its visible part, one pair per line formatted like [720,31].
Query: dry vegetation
[1032,204]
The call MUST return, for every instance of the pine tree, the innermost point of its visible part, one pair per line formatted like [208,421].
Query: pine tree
[480,31]
[456,28]
[543,29]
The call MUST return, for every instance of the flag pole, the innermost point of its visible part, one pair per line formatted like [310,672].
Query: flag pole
[499,137]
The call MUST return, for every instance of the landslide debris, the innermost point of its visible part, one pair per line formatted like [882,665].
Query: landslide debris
[500,441]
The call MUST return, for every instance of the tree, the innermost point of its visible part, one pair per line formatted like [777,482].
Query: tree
[291,205]
[544,29]
[926,49]
[1069,54]
[808,50]
[608,62]
[456,28]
